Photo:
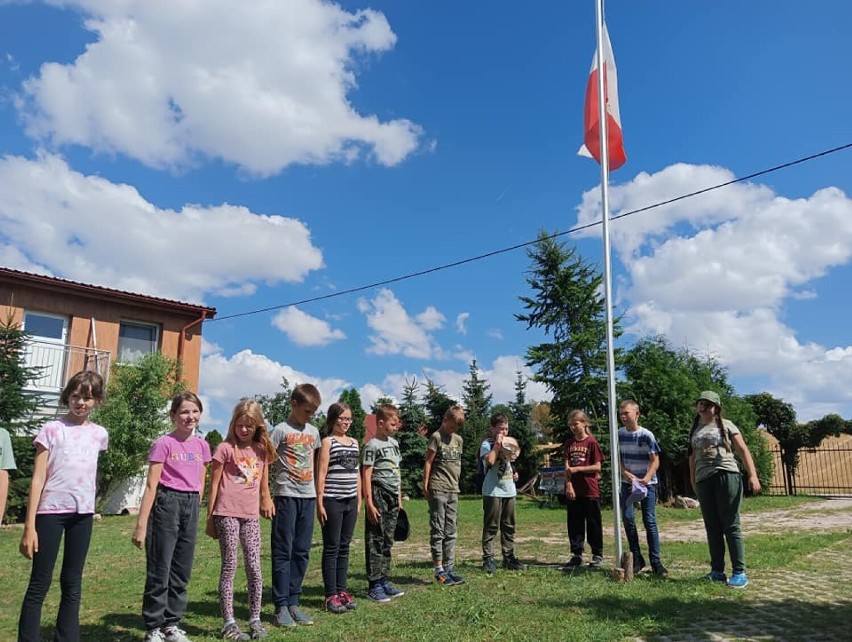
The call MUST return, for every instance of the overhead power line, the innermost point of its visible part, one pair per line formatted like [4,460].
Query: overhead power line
[512,248]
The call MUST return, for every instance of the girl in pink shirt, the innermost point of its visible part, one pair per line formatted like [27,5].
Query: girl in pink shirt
[62,500]
[168,519]
[239,494]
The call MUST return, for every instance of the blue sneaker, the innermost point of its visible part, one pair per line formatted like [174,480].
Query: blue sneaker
[377,594]
[457,579]
[443,578]
[738,580]
[391,591]
[715,576]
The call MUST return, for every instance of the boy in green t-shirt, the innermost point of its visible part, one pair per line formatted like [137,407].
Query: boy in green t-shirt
[441,473]
[382,487]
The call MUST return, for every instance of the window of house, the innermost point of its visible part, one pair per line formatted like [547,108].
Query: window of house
[135,340]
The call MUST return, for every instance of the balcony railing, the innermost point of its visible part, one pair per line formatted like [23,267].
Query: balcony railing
[57,363]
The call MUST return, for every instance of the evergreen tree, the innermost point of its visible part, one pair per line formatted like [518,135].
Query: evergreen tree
[476,399]
[17,404]
[568,306]
[520,426]
[436,403]
[412,443]
[359,427]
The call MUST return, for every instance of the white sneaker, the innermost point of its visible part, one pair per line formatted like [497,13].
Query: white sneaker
[174,634]
[154,636]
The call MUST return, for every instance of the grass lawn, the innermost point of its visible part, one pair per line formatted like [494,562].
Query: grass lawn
[538,604]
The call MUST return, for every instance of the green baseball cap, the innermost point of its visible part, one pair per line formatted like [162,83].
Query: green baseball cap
[712,397]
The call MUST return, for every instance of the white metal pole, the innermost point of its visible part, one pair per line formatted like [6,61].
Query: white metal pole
[610,340]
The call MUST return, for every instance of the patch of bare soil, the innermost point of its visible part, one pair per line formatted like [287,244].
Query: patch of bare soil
[827,515]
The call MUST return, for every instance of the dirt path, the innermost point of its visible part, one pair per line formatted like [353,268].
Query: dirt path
[826,515]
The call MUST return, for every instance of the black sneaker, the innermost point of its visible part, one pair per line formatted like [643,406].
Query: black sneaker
[596,562]
[511,563]
[638,564]
[661,571]
[573,564]
[489,566]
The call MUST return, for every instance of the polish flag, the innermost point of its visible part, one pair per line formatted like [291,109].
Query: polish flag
[592,138]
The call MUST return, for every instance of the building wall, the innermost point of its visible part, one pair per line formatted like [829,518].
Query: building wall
[107,314]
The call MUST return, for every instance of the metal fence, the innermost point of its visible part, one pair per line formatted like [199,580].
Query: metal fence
[826,470]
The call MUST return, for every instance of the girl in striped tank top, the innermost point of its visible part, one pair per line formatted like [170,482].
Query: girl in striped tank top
[338,504]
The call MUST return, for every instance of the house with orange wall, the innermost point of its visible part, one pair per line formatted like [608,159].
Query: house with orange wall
[76,326]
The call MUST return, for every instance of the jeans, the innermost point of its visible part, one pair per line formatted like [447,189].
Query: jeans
[341,515]
[443,518]
[649,521]
[169,549]
[498,512]
[292,531]
[584,519]
[720,497]
[78,533]
[378,537]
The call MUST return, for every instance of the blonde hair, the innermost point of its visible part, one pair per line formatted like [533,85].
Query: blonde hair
[251,409]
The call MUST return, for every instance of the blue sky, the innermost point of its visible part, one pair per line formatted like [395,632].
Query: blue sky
[249,155]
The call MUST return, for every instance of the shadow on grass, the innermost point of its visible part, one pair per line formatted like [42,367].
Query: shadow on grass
[709,618]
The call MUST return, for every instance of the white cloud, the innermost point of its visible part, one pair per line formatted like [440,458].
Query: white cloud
[58,221]
[461,321]
[305,330]
[395,332]
[225,380]
[431,319]
[258,84]
[495,333]
[714,272]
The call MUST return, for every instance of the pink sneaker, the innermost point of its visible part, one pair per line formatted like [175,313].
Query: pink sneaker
[348,601]
[334,605]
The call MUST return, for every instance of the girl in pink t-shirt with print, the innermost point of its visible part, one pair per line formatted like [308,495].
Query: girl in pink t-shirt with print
[62,500]
[168,519]
[239,494]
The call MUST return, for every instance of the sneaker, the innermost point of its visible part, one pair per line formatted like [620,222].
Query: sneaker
[257,630]
[283,617]
[738,580]
[377,594]
[333,604]
[511,563]
[154,636]
[233,632]
[442,577]
[391,591]
[638,563]
[348,601]
[715,576]
[457,579]
[661,571]
[489,566]
[175,634]
[573,564]
[299,617]
[596,562]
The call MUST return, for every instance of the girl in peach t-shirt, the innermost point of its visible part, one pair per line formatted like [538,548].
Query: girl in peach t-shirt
[239,494]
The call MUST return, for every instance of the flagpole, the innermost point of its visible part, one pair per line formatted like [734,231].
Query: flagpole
[610,341]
